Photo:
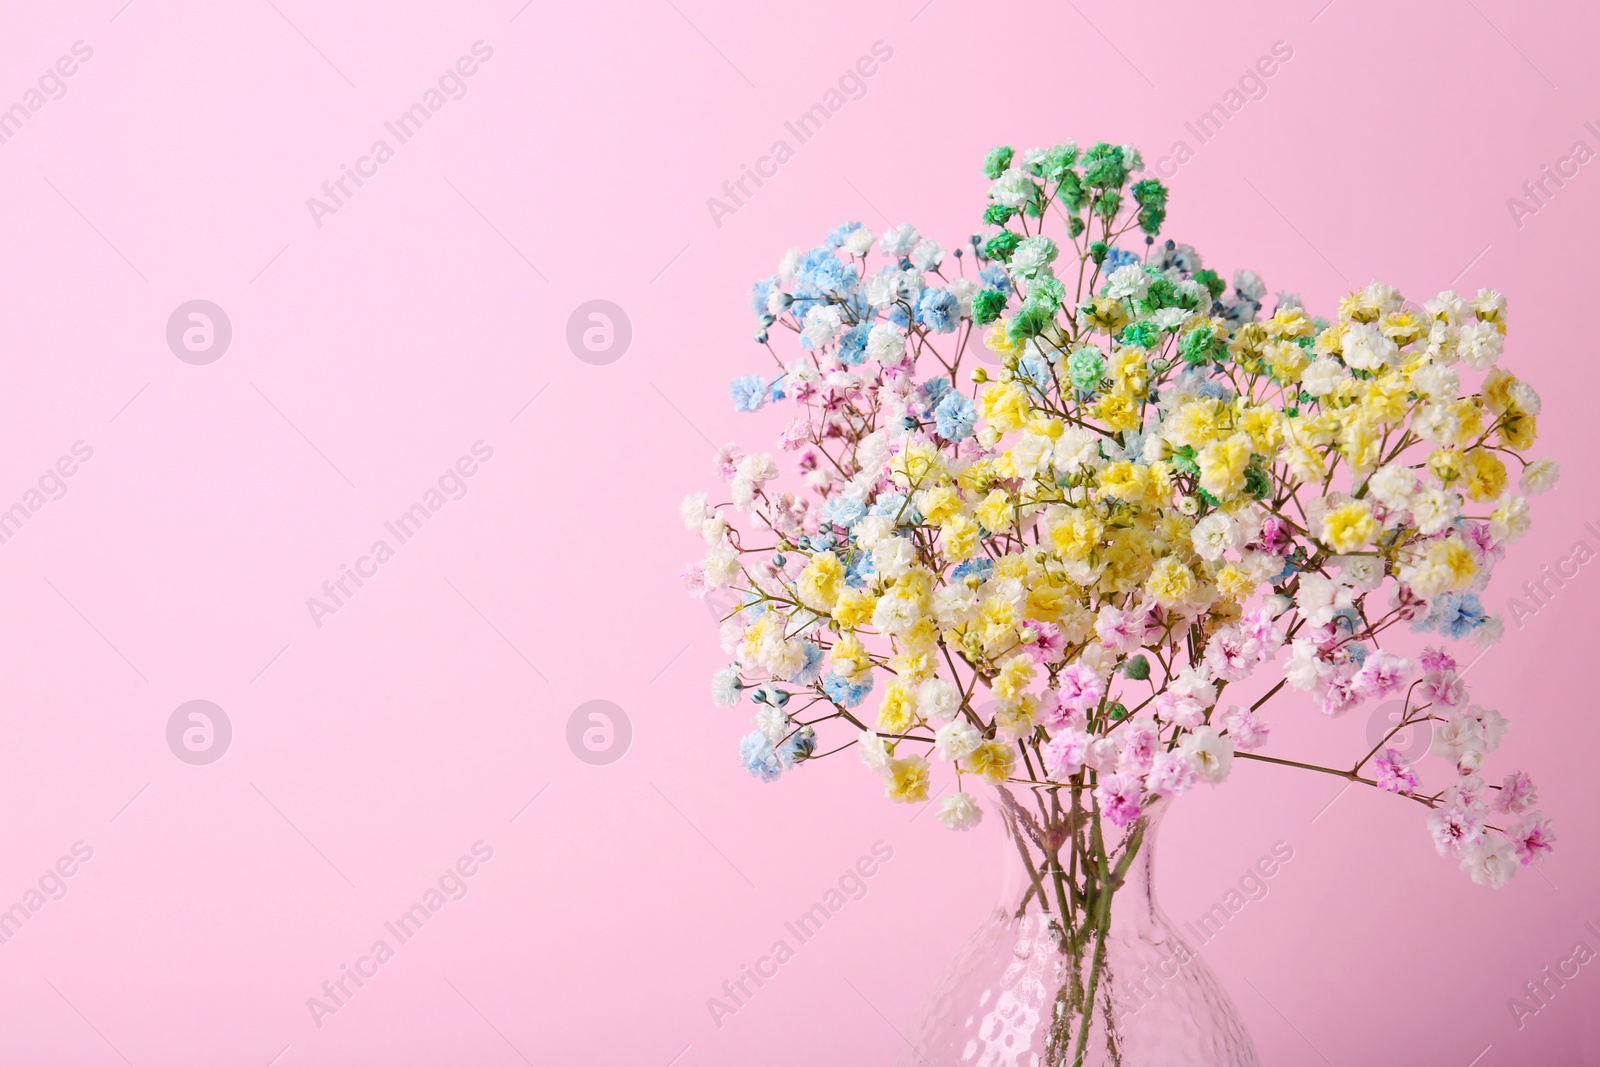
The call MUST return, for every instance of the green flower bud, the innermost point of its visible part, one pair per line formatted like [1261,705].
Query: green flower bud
[997,161]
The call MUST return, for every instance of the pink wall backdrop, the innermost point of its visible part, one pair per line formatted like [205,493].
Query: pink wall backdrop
[412,338]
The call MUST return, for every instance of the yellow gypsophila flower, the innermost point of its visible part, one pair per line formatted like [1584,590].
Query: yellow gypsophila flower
[1170,582]
[820,581]
[991,761]
[995,511]
[1485,475]
[908,780]
[1222,466]
[854,607]
[958,538]
[1350,526]
[1004,406]
[898,712]
[1016,673]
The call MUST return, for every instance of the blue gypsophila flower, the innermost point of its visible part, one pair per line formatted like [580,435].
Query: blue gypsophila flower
[1118,257]
[842,692]
[759,757]
[994,276]
[859,570]
[894,506]
[1454,614]
[935,390]
[955,417]
[813,665]
[1033,367]
[749,392]
[853,344]
[939,310]
[983,567]
[759,292]
[798,746]
[844,510]
[837,235]
[820,273]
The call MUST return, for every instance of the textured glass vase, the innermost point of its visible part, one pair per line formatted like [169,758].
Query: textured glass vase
[1016,991]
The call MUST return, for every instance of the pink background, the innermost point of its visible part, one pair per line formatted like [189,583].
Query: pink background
[369,353]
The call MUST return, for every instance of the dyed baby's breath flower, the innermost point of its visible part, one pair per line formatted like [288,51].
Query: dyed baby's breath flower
[1048,501]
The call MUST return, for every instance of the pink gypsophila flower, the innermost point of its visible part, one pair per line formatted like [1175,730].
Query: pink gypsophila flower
[1170,774]
[1118,796]
[1137,743]
[1517,794]
[1080,688]
[1532,837]
[1394,773]
[1383,673]
[1066,753]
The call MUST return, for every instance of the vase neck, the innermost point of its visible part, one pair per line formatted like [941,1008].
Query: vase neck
[1040,824]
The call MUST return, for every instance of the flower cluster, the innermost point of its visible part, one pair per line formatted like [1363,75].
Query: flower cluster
[1052,567]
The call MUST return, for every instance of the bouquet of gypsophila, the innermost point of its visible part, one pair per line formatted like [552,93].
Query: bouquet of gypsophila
[1054,503]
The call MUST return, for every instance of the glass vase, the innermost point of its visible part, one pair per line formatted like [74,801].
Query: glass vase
[1077,965]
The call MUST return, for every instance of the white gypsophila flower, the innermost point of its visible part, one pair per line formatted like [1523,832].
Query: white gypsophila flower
[858,242]
[1305,669]
[1526,397]
[694,511]
[873,530]
[1075,449]
[1540,476]
[1211,752]
[937,698]
[714,530]
[758,467]
[1215,535]
[927,255]
[722,566]
[894,557]
[1434,509]
[874,753]
[1194,683]
[1491,861]
[959,812]
[777,301]
[956,739]
[1366,348]
[892,286]
[1320,598]
[772,722]
[1493,723]
[1480,345]
[954,605]
[1130,282]
[1250,285]
[787,264]
[885,343]
[822,324]
[1460,735]
[1509,521]
[1393,485]
[1446,307]
[725,687]
[1489,304]
[1435,382]
[1012,189]
[1362,572]
[898,241]
[1322,376]
[895,615]
[1032,454]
